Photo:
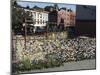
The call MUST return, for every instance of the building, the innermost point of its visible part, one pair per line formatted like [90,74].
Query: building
[66,20]
[68,17]
[52,20]
[40,19]
[86,20]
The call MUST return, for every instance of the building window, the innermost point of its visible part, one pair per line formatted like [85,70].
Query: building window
[34,21]
[37,21]
[40,15]
[41,21]
[34,15]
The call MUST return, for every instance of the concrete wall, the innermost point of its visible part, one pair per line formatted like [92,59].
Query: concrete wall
[86,20]
[86,27]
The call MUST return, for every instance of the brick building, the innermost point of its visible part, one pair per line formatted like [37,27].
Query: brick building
[66,16]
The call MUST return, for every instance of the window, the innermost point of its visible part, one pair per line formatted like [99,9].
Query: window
[40,15]
[34,21]
[34,15]
[37,21]
[41,21]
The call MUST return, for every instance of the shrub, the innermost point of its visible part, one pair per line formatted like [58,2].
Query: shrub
[24,65]
[53,60]
[27,65]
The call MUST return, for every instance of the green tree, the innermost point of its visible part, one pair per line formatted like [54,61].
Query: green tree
[19,16]
[56,7]
[48,8]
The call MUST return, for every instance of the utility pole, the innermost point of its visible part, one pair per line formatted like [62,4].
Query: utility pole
[25,33]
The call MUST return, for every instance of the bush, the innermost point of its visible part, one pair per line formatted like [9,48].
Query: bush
[27,65]
[38,64]
[53,61]
[24,65]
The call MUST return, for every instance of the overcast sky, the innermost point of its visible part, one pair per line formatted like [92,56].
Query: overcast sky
[42,5]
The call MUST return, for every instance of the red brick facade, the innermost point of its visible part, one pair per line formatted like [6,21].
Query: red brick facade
[68,17]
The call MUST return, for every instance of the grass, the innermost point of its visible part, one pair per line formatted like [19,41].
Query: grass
[27,65]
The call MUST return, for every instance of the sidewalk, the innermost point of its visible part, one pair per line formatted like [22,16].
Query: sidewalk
[79,65]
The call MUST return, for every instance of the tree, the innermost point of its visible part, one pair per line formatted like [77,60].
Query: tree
[18,17]
[48,8]
[56,7]
[37,8]
[28,7]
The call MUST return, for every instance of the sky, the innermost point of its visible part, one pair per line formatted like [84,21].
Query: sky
[42,5]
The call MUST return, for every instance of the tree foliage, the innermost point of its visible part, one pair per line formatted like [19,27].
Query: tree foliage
[19,15]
